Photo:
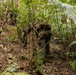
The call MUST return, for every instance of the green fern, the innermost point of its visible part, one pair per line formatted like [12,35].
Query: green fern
[69,10]
[73,64]
[38,58]
[12,68]
[38,61]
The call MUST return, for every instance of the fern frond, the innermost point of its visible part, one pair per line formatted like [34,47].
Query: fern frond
[69,10]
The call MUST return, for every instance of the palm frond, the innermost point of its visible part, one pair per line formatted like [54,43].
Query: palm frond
[69,10]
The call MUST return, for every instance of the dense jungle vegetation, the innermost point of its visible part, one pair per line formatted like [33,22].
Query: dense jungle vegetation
[37,37]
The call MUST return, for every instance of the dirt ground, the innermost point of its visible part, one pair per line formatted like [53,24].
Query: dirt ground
[11,51]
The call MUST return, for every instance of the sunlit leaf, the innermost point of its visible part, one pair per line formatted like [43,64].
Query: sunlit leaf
[73,43]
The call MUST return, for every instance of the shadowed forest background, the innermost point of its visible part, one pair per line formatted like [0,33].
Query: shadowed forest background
[37,37]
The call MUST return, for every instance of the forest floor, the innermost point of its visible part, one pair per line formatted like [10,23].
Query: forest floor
[12,53]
